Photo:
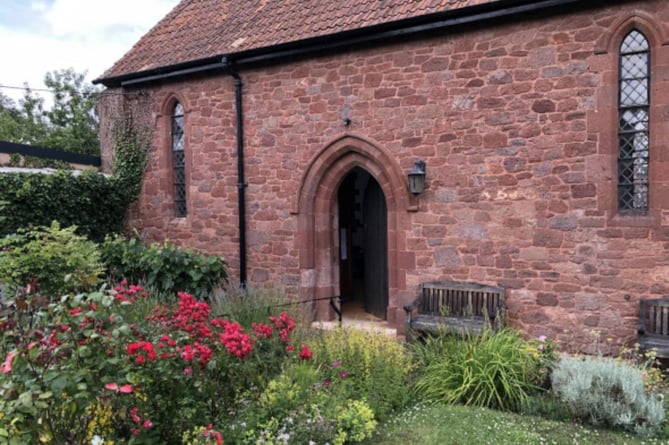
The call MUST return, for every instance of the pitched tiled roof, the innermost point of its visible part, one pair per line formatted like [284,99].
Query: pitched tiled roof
[200,29]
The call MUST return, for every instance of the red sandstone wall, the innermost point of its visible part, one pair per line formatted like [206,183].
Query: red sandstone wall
[517,124]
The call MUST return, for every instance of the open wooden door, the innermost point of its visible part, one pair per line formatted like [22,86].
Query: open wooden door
[375,240]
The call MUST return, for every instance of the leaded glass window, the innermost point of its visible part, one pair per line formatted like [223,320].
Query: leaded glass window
[633,137]
[178,160]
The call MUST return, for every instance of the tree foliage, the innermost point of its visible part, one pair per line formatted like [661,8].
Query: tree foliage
[70,124]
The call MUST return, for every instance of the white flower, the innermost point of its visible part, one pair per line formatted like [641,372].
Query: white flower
[97,440]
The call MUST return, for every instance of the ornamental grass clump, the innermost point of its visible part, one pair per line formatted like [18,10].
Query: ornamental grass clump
[494,370]
[608,392]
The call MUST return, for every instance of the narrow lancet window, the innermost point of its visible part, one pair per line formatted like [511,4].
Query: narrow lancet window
[179,160]
[633,137]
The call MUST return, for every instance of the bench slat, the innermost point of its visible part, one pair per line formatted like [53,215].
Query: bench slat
[654,325]
[454,306]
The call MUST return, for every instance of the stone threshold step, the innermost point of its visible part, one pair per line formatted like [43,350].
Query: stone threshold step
[379,327]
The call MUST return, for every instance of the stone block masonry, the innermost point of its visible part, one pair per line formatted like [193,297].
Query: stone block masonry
[517,123]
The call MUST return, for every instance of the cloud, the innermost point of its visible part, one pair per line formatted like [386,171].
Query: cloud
[38,6]
[79,19]
[80,34]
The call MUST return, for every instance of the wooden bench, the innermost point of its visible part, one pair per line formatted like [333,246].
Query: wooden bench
[461,308]
[654,325]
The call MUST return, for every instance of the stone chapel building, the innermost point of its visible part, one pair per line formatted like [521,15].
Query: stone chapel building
[284,132]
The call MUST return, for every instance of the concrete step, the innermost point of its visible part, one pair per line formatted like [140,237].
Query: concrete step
[381,327]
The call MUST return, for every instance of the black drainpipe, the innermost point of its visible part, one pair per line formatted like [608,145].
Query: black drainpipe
[241,182]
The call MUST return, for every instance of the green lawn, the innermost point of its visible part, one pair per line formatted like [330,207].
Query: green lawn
[459,425]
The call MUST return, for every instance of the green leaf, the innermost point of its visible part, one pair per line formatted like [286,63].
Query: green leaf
[84,351]
[46,395]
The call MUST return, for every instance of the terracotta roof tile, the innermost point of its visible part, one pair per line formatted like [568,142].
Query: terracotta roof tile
[201,29]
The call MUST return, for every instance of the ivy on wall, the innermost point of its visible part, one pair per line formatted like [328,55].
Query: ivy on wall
[95,203]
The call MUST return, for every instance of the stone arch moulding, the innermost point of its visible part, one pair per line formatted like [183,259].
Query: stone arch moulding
[317,195]
[338,149]
[655,31]
[165,106]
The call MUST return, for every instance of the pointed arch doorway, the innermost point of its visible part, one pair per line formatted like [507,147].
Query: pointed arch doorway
[318,236]
[363,245]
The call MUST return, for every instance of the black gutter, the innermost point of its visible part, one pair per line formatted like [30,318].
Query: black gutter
[343,40]
[241,182]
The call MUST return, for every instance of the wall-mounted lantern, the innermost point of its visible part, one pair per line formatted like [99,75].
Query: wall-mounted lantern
[417,178]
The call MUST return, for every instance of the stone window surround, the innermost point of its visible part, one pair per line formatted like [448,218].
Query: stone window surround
[606,122]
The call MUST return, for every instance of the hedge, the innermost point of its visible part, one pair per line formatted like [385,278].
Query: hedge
[95,203]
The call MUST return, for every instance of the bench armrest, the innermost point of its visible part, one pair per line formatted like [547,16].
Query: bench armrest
[408,308]
[641,327]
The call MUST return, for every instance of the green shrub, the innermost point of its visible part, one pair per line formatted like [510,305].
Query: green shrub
[607,392]
[546,405]
[376,366]
[355,423]
[494,370]
[165,269]
[52,260]
[298,407]
[91,201]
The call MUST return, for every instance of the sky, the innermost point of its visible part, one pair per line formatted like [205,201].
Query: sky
[38,36]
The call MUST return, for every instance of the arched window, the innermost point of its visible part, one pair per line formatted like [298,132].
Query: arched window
[633,137]
[179,160]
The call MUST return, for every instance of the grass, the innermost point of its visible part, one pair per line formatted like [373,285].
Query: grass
[459,425]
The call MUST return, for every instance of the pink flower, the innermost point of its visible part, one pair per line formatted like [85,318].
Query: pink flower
[133,415]
[147,424]
[335,364]
[343,374]
[124,389]
[7,365]
[326,383]
[188,371]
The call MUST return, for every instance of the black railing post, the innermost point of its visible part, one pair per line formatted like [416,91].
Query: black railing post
[336,309]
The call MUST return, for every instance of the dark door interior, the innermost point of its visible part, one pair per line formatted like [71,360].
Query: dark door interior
[363,256]
[375,250]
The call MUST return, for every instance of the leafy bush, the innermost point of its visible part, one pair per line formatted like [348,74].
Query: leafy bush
[607,392]
[91,201]
[546,405]
[494,370]
[86,367]
[56,363]
[299,407]
[376,366]
[51,260]
[165,269]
